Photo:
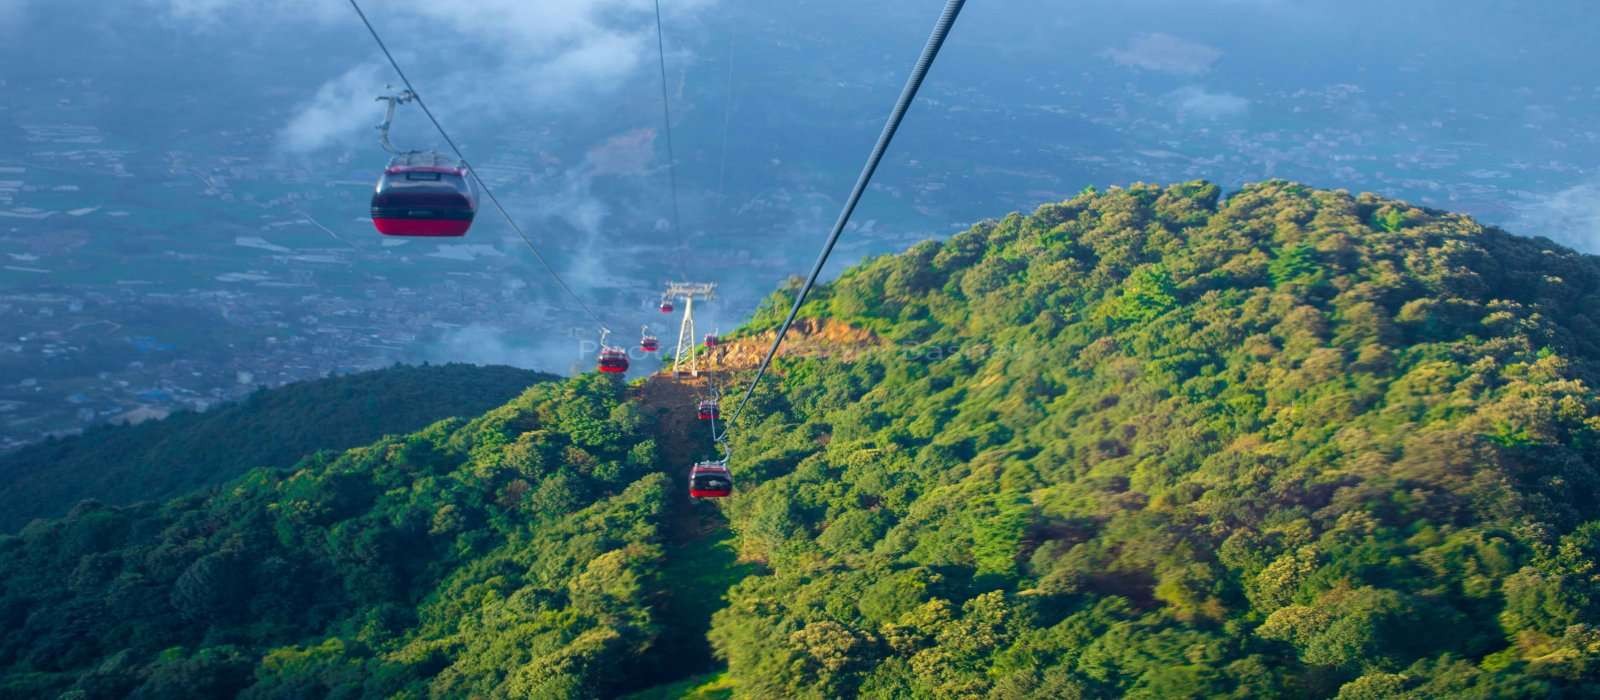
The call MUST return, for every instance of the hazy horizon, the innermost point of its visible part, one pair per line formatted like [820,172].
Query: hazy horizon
[214,156]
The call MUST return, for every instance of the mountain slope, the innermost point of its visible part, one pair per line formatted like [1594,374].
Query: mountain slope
[1150,443]
[511,556]
[156,460]
[1153,443]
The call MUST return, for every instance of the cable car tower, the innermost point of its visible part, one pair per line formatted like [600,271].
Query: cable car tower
[688,292]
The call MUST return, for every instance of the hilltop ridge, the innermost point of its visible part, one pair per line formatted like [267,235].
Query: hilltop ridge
[1158,442]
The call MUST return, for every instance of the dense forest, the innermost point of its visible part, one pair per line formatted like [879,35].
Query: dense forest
[512,555]
[1156,443]
[157,460]
[1152,442]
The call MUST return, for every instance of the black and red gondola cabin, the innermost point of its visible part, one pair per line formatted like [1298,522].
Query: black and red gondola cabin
[649,344]
[424,194]
[710,480]
[666,306]
[708,410]
[712,340]
[613,360]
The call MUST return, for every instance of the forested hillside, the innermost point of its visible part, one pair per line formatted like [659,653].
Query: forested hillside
[1150,443]
[509,556]
[156,460]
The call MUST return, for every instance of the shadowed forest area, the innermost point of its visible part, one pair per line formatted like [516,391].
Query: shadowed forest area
[156,460]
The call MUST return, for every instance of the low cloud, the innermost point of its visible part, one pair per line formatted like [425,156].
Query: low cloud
[484,344]
[1570,217]
[568,200]
[527,55]
[1195,102]
[339,103]
[574,203]
[1164,53]
[573,200]
[629,153]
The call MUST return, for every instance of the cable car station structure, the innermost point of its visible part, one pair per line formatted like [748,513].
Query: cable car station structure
[687,292]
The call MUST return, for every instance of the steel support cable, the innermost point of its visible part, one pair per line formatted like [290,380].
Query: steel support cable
[479,179]
[727,123]
[941,30]
[718,437]
[666,126]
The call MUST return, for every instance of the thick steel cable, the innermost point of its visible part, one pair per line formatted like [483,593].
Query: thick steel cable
[666,126]
[727,124]
[941,30]
[481,184]
[720,439]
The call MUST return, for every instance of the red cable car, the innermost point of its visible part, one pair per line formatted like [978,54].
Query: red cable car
[708,410]
[711,340]
[666,306]
[424,194]
[710,480]
[613,360]
[649,344]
